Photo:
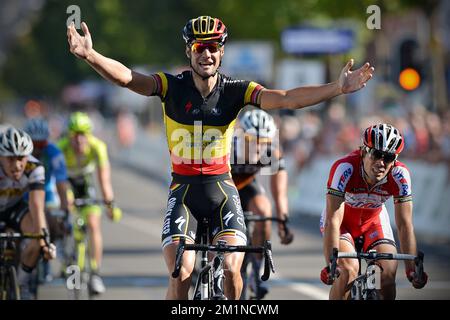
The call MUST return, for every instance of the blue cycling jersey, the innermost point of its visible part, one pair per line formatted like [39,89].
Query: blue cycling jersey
[55,170]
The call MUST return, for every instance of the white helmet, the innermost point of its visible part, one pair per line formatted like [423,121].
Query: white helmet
[15,143]
[384,137]
[258,123]
[37,128]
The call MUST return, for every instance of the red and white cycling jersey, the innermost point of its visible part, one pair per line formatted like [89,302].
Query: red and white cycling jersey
[365,212]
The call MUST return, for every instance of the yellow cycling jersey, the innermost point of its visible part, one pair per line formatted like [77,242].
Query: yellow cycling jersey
[95,155]
[199,129]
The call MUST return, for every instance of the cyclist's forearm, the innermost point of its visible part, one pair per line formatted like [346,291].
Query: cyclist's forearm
[311,95]
[330,239]
[405,229]
[110,69]
[61,187]
[36,205]
[104,176]
[299,97]
[407,243]
[279,182]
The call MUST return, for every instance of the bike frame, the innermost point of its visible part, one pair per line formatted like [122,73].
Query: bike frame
[211,277]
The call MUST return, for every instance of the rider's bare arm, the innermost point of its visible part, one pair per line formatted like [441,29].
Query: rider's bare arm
[334,216]
[112,70]
[36,203]
[403,220]
[299,97]
[104,178]
[61,187]
[349,81]
[278,185]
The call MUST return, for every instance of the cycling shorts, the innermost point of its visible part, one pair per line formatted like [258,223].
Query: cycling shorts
[218,201]
[375,230]
[83,188]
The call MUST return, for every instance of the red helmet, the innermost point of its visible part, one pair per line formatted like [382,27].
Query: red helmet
[205,28]
[384,137]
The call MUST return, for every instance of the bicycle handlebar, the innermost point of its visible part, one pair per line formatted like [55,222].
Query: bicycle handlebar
[372,256]
[19,236]
[249,216]
[87,202]
[266,250]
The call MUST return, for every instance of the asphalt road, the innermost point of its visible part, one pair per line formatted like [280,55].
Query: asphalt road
[133,266]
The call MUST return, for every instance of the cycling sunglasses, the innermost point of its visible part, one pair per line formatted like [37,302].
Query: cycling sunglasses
[377,155]
[199,47]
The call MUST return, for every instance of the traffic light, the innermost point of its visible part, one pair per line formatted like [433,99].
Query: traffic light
[408,70]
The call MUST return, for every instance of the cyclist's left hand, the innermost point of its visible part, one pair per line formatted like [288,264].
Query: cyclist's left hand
[49,251]
[350,81]
[286,236]
[416,282]
[110,212]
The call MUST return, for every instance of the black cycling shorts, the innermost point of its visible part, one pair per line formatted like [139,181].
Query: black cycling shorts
[191,202]
[83,187]
[13,216]
[250,191]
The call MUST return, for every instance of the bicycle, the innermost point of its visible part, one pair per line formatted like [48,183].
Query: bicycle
[77,253]
[250,259]
[209,283]
[364,286]
[9,286]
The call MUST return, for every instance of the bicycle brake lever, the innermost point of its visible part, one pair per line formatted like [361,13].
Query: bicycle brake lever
[418,261]
[333,263]
[46,237]
[268,261]
[178,257]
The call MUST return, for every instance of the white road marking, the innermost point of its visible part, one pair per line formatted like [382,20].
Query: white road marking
[304,288]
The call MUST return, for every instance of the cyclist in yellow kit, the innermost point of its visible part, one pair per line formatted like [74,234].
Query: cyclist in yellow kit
[84,155]
[200,110]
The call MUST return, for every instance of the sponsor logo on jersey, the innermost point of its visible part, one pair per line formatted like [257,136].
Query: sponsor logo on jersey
[188,107]
[344,178]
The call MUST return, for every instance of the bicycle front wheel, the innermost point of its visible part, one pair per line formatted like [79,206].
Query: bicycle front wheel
[10,286]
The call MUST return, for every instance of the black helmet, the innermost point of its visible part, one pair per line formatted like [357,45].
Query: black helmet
[205,28]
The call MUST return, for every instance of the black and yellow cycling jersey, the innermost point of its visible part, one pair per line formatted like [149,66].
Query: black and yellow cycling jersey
[199,130]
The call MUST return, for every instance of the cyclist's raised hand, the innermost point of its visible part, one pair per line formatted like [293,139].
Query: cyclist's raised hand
[350,81]
[79,45]
[417,282]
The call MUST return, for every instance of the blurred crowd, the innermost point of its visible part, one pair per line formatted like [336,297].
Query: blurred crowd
[337,131]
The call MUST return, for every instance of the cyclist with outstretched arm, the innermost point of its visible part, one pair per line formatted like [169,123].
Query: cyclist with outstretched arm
[200,109]
[358,186]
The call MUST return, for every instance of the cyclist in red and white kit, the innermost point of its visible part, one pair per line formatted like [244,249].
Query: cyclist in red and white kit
[358,186]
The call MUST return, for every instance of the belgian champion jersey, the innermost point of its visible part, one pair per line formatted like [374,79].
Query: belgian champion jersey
[199,130]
